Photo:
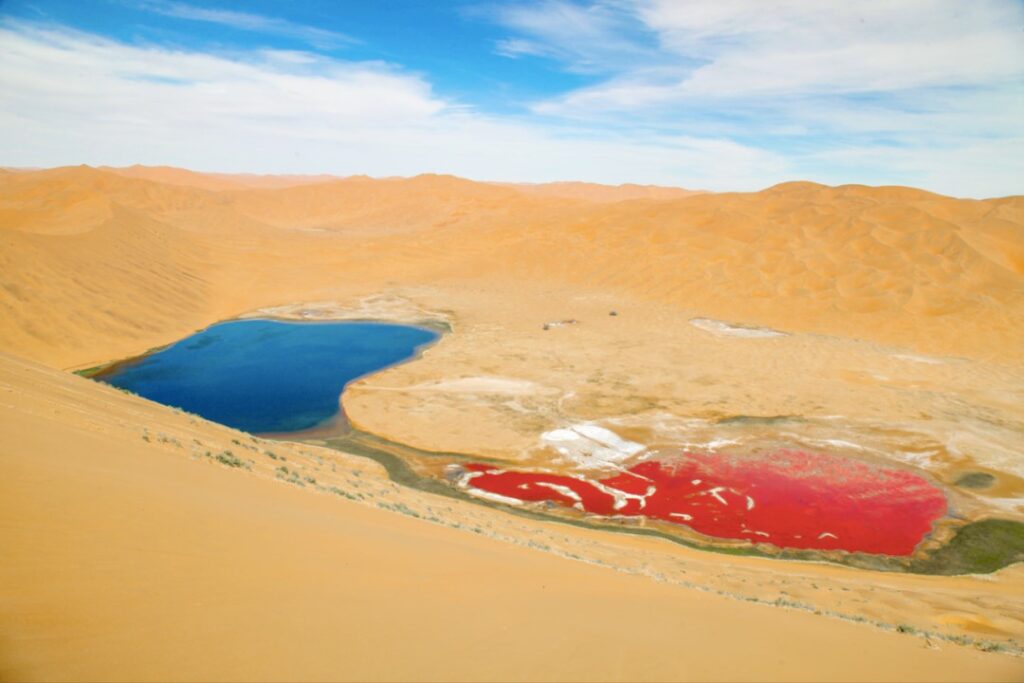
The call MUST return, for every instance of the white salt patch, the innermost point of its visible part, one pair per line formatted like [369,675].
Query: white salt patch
[590,446]
[715,492]
[622,497]
[724,329]
[750,503]
[560,435]
[920,459]
[559,488]
[826,534]
[479,493]
[496,497]
[681,515]
[839,443]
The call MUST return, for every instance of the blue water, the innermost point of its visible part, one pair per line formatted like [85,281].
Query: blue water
[267,376]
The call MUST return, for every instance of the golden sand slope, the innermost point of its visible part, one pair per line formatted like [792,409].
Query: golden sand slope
[215,181]
[902,311]
[139,559]
[602,193]
[892,265]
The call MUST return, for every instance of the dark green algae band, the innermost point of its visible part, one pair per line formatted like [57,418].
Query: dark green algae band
[979,547]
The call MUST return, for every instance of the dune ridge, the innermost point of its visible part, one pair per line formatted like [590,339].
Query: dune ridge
[890,265]
[895,317]
[163,562]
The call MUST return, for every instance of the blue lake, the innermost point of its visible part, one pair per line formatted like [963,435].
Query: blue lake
[265,376]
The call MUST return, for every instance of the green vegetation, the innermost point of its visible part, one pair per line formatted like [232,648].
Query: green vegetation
[88,373]
[975,480]
[163,438]
[339,492]
[290,476]
[978,548]
[231,460]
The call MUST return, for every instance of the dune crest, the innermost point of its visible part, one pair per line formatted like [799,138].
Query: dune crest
[875,324]
[897,266]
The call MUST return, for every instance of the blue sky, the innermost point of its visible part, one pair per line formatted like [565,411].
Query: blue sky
[716,94]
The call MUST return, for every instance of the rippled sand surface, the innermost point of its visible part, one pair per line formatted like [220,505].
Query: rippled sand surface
[877,324]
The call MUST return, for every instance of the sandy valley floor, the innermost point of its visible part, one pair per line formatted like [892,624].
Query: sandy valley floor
[887,320]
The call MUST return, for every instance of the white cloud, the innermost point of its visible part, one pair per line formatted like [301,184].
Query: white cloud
[867,46]
[953,168]
[586,38]
[745,49]
[245,21]
[517,47]
[807,78]
[72,97]
[76,98]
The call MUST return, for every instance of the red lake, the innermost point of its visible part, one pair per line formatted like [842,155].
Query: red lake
[790,499]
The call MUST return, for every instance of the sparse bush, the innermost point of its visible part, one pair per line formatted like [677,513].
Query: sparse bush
[231,460]
[338,492]
[291,476]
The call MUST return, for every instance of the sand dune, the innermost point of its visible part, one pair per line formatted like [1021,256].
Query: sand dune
[215,181]
[98,265]
[602,193]
[135,557]
[891,265]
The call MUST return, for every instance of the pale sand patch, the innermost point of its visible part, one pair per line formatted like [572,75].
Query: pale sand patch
[915,358]
[725,329]
[504,386]
[98,267]
[125,559]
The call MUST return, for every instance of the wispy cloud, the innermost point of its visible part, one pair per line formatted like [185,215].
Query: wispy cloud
[867,46]
[718,95]
[71,97]
[800,76]
[597,37]
[750,48]
[245,21]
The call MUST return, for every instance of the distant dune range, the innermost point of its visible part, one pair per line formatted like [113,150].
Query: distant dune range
[887,319]
[85,249]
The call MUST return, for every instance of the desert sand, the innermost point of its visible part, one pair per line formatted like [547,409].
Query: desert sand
[885,317]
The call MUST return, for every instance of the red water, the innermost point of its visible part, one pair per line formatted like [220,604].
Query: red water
[791,499]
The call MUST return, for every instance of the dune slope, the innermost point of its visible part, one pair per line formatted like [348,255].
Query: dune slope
[891,265]
[887,318]
[130,561]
